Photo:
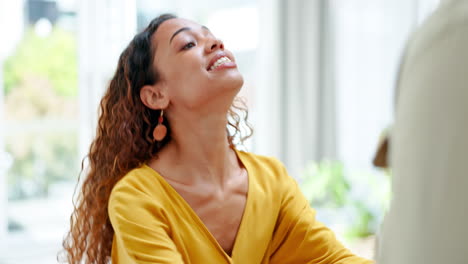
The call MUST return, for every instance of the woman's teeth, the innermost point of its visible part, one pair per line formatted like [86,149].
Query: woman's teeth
[219,62]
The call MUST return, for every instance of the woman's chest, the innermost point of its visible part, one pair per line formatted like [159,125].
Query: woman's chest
[220,211]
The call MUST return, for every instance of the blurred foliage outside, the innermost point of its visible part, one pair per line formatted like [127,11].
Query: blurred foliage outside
[41,112]
[52,58]
[352,202]
[39,160]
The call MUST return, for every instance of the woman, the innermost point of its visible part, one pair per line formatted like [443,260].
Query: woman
[166,184]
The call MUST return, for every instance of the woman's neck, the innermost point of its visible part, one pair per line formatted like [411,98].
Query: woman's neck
[200,150]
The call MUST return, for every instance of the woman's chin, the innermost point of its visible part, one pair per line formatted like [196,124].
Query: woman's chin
[238,82]
[234,81]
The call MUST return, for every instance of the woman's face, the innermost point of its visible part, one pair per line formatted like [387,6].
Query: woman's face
[194,66]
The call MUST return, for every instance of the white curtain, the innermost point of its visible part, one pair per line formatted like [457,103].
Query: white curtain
[368,38]
[287,97]
[327,77]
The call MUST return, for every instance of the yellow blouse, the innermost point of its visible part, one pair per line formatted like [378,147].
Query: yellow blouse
[154,224]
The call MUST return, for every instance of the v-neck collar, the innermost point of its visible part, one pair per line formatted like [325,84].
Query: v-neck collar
[202,225]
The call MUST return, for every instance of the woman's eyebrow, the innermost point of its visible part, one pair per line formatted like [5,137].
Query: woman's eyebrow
[184,29]
[177,32]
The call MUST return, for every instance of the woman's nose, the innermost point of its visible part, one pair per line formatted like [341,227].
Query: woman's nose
[215,44]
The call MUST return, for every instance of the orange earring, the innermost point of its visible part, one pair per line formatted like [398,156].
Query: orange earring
[160,131]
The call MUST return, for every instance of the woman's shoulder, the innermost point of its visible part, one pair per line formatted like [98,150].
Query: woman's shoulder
[136,198]
[139,183]
[267,168]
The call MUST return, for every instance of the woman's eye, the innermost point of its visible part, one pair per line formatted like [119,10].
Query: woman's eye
[189,45]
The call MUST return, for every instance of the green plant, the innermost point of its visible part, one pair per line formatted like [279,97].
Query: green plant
[52,58]
[350,199]
[363,222]
[40,159]
[40,108]
[325,185]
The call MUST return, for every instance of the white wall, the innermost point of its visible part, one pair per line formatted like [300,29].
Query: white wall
[104,30]
[11,30]
[3,183]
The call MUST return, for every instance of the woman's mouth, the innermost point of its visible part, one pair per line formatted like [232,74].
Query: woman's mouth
[219,62]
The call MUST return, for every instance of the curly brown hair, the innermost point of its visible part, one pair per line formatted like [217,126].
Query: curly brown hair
[123,142]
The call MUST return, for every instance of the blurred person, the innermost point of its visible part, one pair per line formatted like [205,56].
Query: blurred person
[166,183]
[427,220]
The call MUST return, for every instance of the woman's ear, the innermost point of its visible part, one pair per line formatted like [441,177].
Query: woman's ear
[154,97]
